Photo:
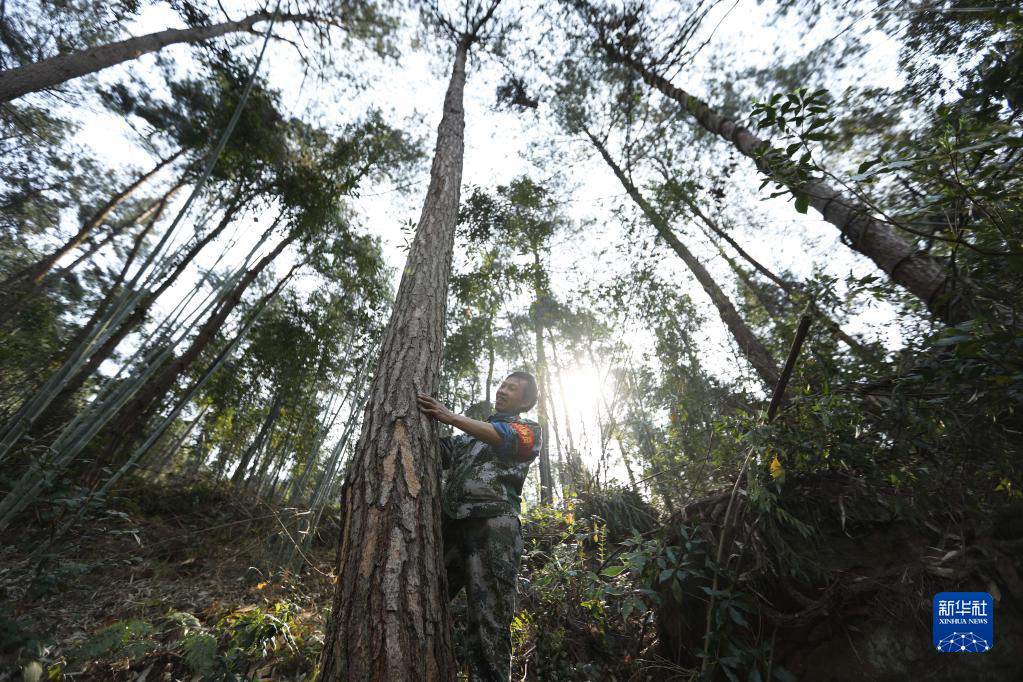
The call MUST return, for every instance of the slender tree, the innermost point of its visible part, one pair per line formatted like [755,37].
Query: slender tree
[257,443]
[619,37]
[794,291]
[751,346]
[141,311]
[35,272]
[544,404]
[52,72]
[390,618]
[131,419]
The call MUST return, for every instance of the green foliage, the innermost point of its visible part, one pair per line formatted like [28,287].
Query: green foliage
[49,581]
[275,636]
[199,651]
[575,618]
[802,117]
[130,639]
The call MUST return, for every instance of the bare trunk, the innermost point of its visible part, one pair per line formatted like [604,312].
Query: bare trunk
[257,443]
[128,425]
[147,216]
[749,344]
[24,285]
[565,474]
[490,359]
[198,456]
[175,447]
[50,73]
[766,302]
[390,619]
[37,271]
[546,479]
[790,289]
[138,315]
[572,455]
[920,274]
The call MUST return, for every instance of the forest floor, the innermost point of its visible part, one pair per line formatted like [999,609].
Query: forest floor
[165,582]
[168,581]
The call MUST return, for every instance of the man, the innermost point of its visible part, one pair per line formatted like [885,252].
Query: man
[487,465]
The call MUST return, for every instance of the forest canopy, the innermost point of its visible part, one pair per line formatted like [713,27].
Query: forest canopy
[763,258]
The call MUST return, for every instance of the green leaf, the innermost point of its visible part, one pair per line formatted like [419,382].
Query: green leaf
[737,618]
[802,203]
[952,340]
[784,675]
[200,652]
[614,571]
[867,165]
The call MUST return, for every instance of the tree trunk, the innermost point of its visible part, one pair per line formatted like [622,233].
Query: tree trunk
[626,462]
[198,457]
[749,344]
[790,289]
[138,315]
[490,359]
[274,479]
[130,421]
[565,475]
[54,71]
[148,216]
[572,454]
[546,479]
[268,423]
[920,274]
[29,282]
[390,619]
[175,447]
[35,272]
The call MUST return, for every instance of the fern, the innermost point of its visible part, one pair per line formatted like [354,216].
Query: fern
[199,651]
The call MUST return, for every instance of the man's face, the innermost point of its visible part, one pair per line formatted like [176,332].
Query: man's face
[509,397]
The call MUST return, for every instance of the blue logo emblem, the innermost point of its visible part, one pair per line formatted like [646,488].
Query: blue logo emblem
[964,622]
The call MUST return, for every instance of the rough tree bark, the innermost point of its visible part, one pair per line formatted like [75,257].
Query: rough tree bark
[917,272]
[749,344]
[51,72]
[390,619]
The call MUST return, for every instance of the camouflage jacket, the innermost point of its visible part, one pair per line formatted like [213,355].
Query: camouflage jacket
[486,480]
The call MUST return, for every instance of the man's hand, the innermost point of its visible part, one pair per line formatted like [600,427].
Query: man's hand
[433,408]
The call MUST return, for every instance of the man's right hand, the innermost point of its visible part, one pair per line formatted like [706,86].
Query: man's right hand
[434,409]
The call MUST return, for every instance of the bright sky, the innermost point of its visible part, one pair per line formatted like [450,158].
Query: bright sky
[498,148]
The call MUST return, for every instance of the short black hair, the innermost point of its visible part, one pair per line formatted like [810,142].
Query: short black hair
[531,393]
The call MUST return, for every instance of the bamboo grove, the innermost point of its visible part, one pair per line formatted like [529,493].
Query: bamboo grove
[756,284]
